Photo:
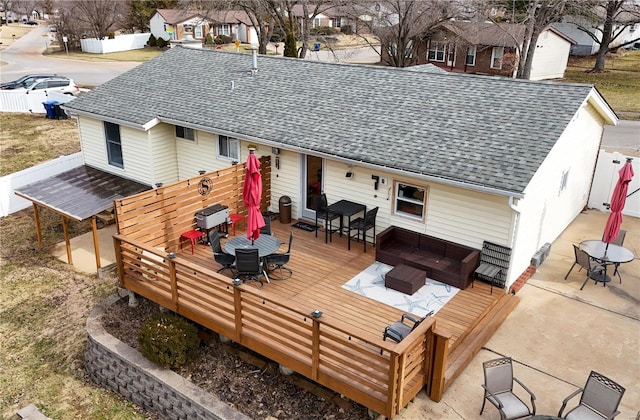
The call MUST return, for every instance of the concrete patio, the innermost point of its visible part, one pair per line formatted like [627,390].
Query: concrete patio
[556,335]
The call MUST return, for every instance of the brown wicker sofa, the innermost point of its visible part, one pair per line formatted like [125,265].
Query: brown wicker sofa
[444,261]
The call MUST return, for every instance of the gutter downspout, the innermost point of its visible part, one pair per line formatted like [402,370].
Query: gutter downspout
[514,233]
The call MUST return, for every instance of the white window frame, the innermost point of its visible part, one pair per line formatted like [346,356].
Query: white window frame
[114,144]
[469,50]
[436,51]
[496,57]
[232,145]
[224,29]
[400,188]
[187,133]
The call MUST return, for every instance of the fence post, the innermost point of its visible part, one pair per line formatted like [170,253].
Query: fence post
[440,351]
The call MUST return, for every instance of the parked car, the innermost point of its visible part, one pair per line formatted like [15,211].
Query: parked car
[26,81]
[53,84]
[31,22]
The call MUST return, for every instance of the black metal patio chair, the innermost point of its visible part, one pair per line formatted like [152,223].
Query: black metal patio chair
[588,263]
[227,261]
[323,213]
[275,262]
[599,400]
[363,224]
[249,267]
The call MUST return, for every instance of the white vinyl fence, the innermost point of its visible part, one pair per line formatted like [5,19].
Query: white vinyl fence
[119,43]
[20,101]
[10,203]
[605,179]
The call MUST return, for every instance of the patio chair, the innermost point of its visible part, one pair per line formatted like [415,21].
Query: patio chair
[585,261]
[322,213]
[227,261]
[494,262]
[363,225]
[599,400]
[498,390]
[277,261]
[266,229]
[400,329]
[248,265]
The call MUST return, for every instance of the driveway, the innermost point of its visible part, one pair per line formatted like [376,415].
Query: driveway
[558,334]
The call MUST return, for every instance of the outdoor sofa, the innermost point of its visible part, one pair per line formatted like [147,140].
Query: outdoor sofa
[444,261]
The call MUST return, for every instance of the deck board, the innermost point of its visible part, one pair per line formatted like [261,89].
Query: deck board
[320,270]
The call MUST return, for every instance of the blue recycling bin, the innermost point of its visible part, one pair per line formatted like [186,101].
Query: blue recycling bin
[51,110]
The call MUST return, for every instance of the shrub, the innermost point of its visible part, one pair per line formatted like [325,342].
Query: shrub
[346,30]
[168,340]
[223,39]
[323,30]
[111,35]
[208,40]
[162,42]
[152,42]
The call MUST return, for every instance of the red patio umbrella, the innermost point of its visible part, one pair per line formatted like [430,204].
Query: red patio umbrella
[251,196]
[618,198]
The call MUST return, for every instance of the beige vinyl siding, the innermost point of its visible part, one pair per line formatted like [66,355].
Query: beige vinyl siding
[163,146]
[462,216]
[286,181]
[135,150]
[194,156]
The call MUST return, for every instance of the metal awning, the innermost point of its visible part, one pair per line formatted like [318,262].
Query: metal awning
[80,193]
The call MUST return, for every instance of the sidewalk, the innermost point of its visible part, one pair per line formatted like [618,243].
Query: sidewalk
[558,334]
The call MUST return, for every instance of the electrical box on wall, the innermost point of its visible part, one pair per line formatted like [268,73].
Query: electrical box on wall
[383,181]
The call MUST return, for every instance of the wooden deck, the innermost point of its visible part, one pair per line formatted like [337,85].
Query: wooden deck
[320,270]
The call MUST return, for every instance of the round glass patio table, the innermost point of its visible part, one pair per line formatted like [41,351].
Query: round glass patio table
[266,244]
[612,254]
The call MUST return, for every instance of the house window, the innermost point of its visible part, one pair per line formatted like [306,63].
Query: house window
[188,30]
[228,147]
[316,22]
[185,133]
[471,56]
[114,145]
[198,31]
[337,22]
[496,57]
[410,200]
[436,51]
[224,29]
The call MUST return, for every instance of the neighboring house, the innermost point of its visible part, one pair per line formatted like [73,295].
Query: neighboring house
[176,24]
[338,17]
[585,44]
[233,23]
[491,48]
[485,158]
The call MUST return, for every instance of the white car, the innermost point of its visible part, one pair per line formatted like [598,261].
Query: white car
[53,84]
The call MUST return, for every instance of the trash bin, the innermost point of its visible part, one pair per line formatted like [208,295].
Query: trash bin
[284,207]
[49,107]
[59,112]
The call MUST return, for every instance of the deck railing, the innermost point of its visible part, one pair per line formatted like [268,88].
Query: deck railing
[381,375]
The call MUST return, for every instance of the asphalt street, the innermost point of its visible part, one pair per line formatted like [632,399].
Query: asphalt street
[25,56]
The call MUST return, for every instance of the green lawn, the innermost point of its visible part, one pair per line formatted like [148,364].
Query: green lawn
[619,84]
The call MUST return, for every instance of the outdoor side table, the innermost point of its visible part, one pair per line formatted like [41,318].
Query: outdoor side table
[192,236]
[405,279]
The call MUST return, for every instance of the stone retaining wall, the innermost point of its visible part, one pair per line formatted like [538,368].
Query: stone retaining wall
[123,370]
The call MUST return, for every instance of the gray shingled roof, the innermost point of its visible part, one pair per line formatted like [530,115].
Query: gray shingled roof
[485,131]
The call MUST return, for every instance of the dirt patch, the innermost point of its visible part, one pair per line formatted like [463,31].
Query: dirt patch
[241,378]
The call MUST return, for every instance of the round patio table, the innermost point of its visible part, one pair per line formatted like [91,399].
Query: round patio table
[266,244]
[613,254]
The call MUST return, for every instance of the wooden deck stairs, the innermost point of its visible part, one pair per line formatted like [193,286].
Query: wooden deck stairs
[468,345]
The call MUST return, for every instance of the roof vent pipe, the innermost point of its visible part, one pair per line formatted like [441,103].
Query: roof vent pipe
[254,63]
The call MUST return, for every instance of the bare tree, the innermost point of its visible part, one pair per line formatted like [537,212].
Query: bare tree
[24,7]
[7,5]
[536,15]
[98,15]
[605,22]
[283,15]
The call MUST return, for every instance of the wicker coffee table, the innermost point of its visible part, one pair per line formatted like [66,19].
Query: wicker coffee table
[405,279]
